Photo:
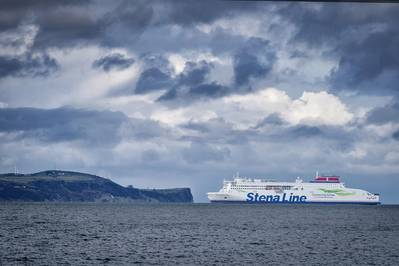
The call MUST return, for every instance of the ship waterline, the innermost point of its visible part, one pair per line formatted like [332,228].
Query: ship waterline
[321,190]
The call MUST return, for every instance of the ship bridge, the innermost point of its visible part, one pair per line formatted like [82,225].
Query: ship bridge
[326,179]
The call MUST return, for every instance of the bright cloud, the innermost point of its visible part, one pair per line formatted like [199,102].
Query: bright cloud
[319,108]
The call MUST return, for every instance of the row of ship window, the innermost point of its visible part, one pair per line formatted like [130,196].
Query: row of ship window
[267,187]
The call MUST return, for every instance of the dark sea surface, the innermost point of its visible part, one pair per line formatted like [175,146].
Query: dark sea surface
[200,234]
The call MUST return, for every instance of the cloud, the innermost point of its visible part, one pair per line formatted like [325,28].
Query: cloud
[82,22]
[152,79]
[271,129]
[198,101]
[385,114]
[312,108]
[395,135]
[317,108]
[385,119]
[192,12]
[27,65]
[142,129]
[210,90]
[194,73]
[306,131]
[110,25]
[217,131]
[150,156]
[126,22]
[363,41]
[369,67]
[254,60]
[204,91]
[202,152]
[13,13]
[272,119]
[113,61]
[338,137]
[62,124]
[192,84]
[77,26]
[70,124]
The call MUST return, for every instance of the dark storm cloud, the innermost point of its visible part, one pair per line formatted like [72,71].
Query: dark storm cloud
[157,75]
[71,23]
[27,65]
[363,38]
[370,66]
[68,124]
[395,135]
[13,13]
[191,12]
[126,22]
[113,61]
[136,15]
[192,84]
[67,24]
[176,39]
[195,93]
[62,124]
[152,79]
[60,23]
[254,60]
[134,18]
[209,90]
[182,95]
[314,21]
[75,28]
[385,114]
[194,73]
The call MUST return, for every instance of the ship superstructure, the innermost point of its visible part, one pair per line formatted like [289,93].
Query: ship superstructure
[323,189]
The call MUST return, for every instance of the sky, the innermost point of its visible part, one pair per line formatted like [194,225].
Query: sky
[187,93]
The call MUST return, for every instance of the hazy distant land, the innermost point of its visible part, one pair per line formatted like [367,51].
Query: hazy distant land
[67,186]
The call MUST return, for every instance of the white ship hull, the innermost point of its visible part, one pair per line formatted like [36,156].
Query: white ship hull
[298,192]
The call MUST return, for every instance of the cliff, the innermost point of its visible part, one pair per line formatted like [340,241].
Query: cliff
[62,186]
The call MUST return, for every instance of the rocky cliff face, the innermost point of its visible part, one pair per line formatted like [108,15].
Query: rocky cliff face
[74,186]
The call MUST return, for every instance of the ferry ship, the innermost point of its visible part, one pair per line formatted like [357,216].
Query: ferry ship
[323,189]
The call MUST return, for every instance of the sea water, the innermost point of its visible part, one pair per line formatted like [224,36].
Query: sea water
[199,234]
